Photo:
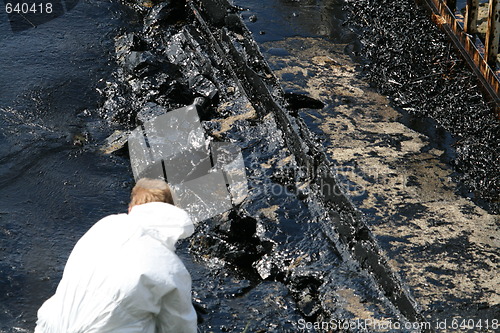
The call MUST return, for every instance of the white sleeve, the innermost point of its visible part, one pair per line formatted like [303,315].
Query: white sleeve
[177,313]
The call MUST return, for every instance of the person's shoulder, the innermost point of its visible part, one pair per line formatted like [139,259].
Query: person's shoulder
[98,235]
[108,223]
[113,218]
[176,212]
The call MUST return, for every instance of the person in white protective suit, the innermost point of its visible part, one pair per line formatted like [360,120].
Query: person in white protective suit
[123,274]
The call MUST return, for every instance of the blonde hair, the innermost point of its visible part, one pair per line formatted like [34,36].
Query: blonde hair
[150,190]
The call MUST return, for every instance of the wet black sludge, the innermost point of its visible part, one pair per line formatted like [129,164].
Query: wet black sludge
[412,61]
[53,184]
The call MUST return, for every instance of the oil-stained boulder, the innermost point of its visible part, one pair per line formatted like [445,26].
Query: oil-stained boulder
[126,43]
[184,50]
[203,86]
[164,13]
[149,111]
[306,292]
[141,63]
[233,239]
[132,55]
[298,101]
[217,11]
[239,228]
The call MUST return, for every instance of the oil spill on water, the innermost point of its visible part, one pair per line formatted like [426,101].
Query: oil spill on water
[288,268]
[56,184]
[53,183]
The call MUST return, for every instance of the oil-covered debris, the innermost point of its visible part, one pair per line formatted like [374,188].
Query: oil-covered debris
[412,61]
[272,243]
[162,67]
[299,101]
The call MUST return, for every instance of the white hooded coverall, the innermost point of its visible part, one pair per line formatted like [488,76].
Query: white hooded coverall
[124,276]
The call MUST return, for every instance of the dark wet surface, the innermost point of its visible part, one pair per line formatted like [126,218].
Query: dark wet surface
[53,184]
[277,19]
[56,186]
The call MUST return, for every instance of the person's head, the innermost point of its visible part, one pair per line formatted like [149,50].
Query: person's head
[150,190]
